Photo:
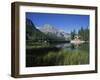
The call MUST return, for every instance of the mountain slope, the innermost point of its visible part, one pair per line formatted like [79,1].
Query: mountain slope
[32,33]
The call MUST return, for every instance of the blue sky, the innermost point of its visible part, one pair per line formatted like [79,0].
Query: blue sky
[66,22]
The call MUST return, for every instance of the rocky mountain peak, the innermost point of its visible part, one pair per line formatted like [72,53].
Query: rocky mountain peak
[47,28]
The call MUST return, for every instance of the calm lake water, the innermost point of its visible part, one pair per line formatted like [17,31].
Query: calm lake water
[58,54]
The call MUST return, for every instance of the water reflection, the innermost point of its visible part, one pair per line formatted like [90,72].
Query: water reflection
[64,45]
[67,45]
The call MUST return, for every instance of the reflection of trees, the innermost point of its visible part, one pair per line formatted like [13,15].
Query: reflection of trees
[74,46]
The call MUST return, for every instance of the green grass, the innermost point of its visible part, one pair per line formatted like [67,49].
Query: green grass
[67,57]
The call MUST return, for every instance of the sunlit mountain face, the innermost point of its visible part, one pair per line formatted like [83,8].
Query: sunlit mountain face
[49,29]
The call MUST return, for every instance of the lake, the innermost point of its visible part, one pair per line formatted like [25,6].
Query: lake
[58,54]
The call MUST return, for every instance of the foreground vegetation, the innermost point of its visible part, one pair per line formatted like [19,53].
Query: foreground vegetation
[67,57]
[53,56]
